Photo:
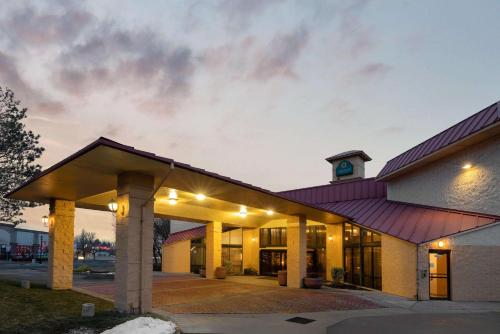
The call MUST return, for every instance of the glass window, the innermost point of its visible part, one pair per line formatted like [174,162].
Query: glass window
[264,237]
[347,234]
[283,236]
[275,236]
[367,236]
[355,235]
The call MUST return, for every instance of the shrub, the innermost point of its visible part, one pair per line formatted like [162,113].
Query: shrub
[337,275]
[82,269]
[249,271]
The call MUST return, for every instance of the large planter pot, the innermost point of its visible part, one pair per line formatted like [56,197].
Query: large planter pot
[313,283]
[203,273]
[282,277]
[220,272]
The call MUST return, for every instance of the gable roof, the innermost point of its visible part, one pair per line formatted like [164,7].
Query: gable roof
[366,202]
[459,132]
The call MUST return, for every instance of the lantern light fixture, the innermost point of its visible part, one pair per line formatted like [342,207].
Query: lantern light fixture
[112,206]
[330,238]
[45,221]
[172,197]
[243,211]
[467,165]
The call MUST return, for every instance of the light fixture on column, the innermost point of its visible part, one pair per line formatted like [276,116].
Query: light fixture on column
[270,212]
[172,197]
[45,221]
[243,211]
[112,206]
[200,197]
[330,238]
[467,165]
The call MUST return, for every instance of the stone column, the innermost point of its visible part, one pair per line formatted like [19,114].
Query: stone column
[296,251]
[134,243]
[334,251]
[213,242]
[61,238]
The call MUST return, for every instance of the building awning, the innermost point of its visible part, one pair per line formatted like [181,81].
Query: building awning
[89,177]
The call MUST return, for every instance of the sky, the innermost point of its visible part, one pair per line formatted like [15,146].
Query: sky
[261,91]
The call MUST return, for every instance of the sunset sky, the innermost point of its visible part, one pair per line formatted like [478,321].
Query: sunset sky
[261,90]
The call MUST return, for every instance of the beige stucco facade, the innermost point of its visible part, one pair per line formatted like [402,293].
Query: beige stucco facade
[399,264]
[176,257]
[474,265]
[444,183]
[213,240]
[250,244]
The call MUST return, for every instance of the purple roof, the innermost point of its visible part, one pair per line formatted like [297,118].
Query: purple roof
[366,202]
[457,132]
[193,233]
[338,191]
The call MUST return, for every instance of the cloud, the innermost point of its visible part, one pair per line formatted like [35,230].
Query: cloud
[281,54]
[61,24]
[239,13]
[251,59]
[34,99]
[127,60]
[373,70]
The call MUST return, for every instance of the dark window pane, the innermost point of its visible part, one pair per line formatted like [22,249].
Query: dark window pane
[367,267]
[356,266]
[348,264]
[355,235]
[275,237]
[377,268]
[376,237]
[283,236]
[347,234]
[264,237]
[367,236]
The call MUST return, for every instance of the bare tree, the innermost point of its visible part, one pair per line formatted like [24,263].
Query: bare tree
[85,242]
[161,232]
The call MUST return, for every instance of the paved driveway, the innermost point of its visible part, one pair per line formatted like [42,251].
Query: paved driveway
[190,294]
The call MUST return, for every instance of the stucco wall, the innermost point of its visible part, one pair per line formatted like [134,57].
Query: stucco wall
[399,263]
[444,183]
[176,257]
[251,248]
[474,265]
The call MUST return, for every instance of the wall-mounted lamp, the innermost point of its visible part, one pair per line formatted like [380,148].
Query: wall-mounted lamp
[330,238]
[441,244]
[112,206]
[172,197]
[253,239]
[45,221]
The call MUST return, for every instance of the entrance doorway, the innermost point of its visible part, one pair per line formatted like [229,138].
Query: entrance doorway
[439,274]
[272,261]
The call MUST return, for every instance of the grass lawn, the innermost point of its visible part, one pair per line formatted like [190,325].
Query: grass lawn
[40,310]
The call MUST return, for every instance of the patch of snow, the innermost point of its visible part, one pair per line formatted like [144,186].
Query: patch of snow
[143,325]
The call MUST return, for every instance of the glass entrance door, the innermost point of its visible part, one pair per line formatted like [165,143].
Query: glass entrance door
[439,274]
[272,261]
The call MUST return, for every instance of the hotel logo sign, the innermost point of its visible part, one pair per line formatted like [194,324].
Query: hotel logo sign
[345,167]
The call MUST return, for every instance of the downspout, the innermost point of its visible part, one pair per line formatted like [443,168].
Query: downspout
[172,166]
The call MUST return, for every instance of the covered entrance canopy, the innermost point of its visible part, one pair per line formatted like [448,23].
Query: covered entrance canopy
[142,184]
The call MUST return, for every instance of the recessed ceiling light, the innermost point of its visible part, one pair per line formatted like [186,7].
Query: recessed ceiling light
[270,212]
[243,211]
[467,166]
[200,197]
[172,197]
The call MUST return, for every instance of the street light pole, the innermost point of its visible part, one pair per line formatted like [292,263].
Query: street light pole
[41,241]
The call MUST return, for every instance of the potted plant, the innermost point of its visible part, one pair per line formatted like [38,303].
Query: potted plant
[313,281]
[220,272]
[282,277]
[337,276]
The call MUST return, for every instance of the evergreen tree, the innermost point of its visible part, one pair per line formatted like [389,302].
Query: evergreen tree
[19,149]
